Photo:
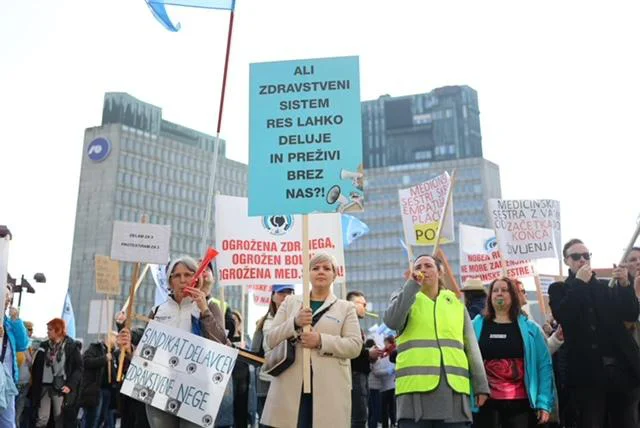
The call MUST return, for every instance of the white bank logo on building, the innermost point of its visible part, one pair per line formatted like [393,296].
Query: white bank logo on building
[99,149]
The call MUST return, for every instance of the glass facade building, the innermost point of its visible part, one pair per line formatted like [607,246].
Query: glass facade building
[148,166]
[408,140]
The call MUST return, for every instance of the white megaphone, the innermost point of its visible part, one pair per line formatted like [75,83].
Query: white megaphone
[356,177]
[345,175]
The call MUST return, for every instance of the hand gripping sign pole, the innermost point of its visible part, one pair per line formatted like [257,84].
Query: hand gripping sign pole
[130,302]
[306,352]
[633,240]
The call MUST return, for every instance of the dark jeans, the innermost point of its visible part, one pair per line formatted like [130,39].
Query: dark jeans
[305,413]
[359,399]
[375,403]
[388,407]
[596,406]
[506,414]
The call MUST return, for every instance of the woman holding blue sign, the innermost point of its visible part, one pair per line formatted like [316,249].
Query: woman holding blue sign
[334,340]
[186,309]
[439,362]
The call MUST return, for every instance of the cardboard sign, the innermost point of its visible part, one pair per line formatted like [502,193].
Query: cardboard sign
[101,315]
[422,206]
[268,250]
[140,242]
[305,137]
[480,258]
[179,373]
[527,229]
[107,276]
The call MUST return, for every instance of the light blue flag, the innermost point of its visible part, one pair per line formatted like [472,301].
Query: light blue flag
[160,12]
[352,229]
[159,274]
[68,317]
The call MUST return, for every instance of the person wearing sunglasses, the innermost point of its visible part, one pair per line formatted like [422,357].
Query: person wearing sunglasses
[603,360]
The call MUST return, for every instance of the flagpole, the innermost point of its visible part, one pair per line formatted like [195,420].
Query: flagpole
[214,166]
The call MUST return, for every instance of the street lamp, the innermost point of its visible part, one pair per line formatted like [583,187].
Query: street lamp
[24,284]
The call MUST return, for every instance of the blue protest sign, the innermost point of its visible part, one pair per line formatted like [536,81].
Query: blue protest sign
[305,137]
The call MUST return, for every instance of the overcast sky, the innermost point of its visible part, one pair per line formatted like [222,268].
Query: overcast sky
[558,86]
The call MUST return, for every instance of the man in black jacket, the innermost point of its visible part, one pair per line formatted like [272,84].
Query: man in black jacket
[97,387]
[360,368]
[603,359]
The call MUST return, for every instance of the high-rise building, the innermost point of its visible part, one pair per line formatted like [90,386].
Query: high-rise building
[443,124]
[137,163]
[408,140]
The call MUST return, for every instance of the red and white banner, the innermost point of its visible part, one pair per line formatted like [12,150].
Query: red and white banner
[261,294]
[480,258]
[268,250]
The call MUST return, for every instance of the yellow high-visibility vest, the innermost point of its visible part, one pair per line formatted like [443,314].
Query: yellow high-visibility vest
[432,339]
[219,303]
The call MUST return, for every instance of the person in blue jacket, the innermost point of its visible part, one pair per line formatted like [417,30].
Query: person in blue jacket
[14,339]
[517,362]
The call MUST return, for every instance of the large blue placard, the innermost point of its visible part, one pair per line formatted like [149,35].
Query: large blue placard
[305,137]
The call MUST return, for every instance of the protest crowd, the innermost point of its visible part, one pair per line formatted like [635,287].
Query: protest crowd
[479,360]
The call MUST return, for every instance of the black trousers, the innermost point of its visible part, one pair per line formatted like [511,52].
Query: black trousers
[599,408]
[506,414]
[388,407]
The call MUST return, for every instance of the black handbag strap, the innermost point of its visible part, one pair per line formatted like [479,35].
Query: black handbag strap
[319,315]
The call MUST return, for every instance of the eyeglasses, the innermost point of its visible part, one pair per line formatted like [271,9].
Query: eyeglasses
[576,256]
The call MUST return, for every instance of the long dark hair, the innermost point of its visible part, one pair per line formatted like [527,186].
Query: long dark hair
[514,310]
[272,311]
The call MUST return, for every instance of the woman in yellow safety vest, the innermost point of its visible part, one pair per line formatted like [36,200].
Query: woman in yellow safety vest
[439,362]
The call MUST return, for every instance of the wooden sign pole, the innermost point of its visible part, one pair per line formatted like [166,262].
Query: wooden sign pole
[447,204]
[306,353]
[132,295]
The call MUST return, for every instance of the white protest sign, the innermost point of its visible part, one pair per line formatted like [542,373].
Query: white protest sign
[261,294]
[179,373]
[140,242]
[546,281]
[421,207]
[107,276]
[480,258]
[268,250]
[527,229]
[101,315]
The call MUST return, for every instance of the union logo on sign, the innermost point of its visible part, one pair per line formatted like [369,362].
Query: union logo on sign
[277,224]
[99,149]
[490,244]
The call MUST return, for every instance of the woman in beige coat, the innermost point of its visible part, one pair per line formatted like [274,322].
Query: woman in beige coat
[333,341]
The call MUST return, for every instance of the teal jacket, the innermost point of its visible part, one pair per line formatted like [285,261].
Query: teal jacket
[538,367]
[18,339]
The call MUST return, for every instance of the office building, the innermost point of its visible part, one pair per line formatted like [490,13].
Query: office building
[138,163]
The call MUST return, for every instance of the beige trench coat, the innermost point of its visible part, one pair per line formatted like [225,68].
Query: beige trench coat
[331,366]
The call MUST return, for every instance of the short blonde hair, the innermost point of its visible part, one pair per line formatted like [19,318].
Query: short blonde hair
[323,258]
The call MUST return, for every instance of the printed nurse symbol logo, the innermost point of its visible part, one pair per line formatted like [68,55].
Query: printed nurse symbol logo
[99,149]
[172,407]
[217,378]
[148,352]
[174,361]
[490,244]
[277,225]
